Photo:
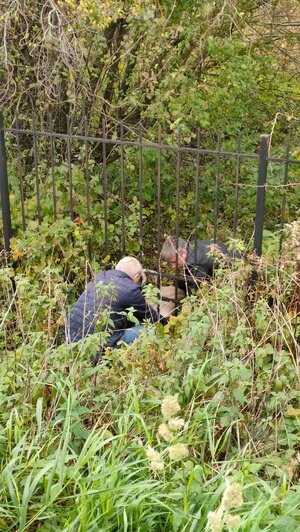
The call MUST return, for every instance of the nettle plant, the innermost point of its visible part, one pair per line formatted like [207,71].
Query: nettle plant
[223,375]
[233,351]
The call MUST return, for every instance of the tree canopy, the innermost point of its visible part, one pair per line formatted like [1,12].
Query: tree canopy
[223,64]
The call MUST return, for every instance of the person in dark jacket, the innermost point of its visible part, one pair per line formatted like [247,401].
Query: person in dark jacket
[196,261]
[108,297]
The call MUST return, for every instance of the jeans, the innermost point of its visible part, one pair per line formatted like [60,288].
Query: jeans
[129,335]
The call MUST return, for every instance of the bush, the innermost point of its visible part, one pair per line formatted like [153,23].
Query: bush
[93,448]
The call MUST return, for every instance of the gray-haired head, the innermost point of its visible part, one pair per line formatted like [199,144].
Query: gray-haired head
[132,267]
[172,248]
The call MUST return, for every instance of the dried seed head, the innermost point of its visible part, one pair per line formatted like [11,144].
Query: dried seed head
[178,451]
[233,496]
[232,520]
[169,407]
[152,455]
[164,432]
[214,522]
[176,424]
[155,460]
[156,466]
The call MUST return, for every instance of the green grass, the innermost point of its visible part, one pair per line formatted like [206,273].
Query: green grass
[73,438]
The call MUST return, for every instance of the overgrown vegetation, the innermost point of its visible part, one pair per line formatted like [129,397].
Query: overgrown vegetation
[220,66]
[85,448]
[94,200]
[196,425]
[217,65]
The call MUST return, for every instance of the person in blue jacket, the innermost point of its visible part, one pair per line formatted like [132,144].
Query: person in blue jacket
[111,293]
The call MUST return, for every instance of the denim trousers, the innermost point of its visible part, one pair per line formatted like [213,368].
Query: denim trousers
[129,335]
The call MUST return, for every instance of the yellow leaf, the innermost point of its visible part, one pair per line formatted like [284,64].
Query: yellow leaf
[61,320]
[293,412]
[17,254]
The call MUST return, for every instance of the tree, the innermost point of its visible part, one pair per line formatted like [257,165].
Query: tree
[214,64]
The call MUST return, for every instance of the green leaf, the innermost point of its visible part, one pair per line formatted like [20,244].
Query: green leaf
[238,394]
[39,413]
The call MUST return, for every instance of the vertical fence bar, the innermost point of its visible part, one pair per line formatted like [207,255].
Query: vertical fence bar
[261,192]
[36,166]
[87,173]
[283,198]
[105,199]
[178,166]
[122,189]
[52,162]
[141,191]
[87,181]
[20,173]
[4,190]
[217,188]
[158,204]
[236,185]
[70,176]
[197,195]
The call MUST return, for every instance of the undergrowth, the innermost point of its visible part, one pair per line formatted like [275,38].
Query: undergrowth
[93,449]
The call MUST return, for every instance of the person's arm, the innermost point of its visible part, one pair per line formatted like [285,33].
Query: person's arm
[143,311]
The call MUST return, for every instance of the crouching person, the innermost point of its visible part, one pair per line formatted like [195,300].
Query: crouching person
[195,262]
[111,292]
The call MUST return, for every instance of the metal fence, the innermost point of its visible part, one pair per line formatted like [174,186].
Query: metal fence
[132,190]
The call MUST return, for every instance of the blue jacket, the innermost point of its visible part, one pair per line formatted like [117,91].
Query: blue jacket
[117,294]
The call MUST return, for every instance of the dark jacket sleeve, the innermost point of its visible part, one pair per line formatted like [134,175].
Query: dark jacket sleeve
[134,298]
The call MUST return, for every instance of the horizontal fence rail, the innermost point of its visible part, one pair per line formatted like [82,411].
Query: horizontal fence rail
[132,191]
[143,144]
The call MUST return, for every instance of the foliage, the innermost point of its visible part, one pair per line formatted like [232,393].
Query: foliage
[216,65]
[74,439]
[85,448]
[117,205]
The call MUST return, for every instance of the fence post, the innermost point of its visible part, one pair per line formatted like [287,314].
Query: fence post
[260,194]
[4,191]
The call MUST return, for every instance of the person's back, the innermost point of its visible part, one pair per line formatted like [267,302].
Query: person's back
[199,260]
[108,290]
[113,291]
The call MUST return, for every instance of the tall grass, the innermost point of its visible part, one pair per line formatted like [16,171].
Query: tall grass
[74,439]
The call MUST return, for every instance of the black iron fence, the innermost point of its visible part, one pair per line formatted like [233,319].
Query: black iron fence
[132,189]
